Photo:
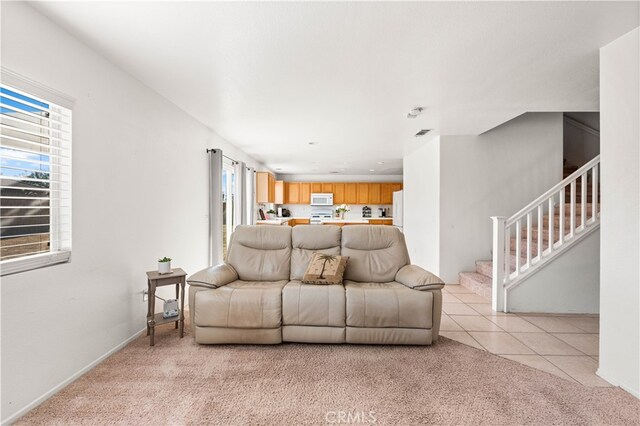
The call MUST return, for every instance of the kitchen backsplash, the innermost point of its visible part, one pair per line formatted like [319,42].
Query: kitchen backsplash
[304,210]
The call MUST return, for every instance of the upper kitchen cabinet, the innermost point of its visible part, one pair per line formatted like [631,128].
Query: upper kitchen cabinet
[350,193]
[343,192]
[265,187]
[386,195]
[338,193]
[363,193]
[375,193]
[280,192]
[292,193]
[305,193]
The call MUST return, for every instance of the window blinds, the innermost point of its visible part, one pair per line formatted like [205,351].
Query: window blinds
[35,181]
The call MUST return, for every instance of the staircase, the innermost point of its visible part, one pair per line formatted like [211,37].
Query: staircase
[521,244]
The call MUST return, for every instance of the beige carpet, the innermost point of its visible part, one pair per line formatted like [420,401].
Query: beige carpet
[178,382]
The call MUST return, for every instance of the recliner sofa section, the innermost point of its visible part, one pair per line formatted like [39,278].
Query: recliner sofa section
[257,296]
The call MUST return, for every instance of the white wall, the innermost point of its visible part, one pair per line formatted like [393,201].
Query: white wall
[421,196]
[140,178]
[493,174]
[620,217]
[568,284]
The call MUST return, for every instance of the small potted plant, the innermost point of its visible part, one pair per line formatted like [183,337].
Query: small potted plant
[271,213]
[164,265]
[341,210]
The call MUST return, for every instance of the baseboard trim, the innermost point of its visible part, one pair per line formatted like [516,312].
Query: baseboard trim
[621,385]
[42,398]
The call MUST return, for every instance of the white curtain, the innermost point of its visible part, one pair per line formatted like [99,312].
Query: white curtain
[215,206]
[239,195]
[250,195]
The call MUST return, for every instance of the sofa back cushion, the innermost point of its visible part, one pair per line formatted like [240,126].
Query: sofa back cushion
[376,252]
[261,252]
[309,239]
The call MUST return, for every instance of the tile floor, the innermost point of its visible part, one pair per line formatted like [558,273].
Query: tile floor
[564,345]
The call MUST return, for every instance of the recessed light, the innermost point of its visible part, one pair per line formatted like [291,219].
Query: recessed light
[333,172]
[372,170]
[278,168]
[313,143]
[380,162]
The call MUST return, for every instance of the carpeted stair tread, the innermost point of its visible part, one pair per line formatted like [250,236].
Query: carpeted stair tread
[477,283]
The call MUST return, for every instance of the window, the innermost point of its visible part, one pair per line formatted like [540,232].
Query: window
[35,181]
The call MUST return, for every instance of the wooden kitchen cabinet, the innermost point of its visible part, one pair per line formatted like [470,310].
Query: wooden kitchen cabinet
[280,189]
[375,193]
[265,187]
[338,193]
[350,193]
[380,221]
[363,193]
[386,195]
[343,192]
[305,193]
[295,222]
[293,193]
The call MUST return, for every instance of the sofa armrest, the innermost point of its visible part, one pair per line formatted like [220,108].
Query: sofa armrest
[214,277]
[417,278]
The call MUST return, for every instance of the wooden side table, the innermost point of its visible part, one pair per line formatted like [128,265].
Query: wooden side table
[177,277]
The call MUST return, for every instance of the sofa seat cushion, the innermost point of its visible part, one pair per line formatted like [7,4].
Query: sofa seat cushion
[390,304]
[241,304]
[313,305]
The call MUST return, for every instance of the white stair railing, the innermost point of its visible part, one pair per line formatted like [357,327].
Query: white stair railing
[550,218]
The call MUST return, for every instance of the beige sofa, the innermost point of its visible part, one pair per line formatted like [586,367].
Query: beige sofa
[257,297]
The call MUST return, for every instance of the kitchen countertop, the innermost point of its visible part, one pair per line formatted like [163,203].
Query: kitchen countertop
[345,221]
[276,221]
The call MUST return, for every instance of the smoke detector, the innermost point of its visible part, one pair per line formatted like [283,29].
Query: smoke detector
[415,112]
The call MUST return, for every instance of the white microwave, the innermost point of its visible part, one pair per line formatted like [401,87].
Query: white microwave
[321,199]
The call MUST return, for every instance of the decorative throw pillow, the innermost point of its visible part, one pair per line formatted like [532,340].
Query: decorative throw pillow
[325,269]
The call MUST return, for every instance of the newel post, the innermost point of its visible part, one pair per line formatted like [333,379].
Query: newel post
[498,292]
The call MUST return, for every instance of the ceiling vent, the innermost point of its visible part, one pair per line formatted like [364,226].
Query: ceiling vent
[422,132]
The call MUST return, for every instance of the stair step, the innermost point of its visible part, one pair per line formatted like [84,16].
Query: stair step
[477,283]
[485,267]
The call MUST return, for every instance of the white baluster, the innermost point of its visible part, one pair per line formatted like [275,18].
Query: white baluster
[583,202]
[529,220]
[594,193]
[497,300]
[572,212]
[518,240]
[540,223]
[551,217]
[561,222]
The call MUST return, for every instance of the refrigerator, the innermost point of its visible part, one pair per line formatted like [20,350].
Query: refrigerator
[398,210]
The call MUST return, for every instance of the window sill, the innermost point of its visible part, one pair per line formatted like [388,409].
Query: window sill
[28,263]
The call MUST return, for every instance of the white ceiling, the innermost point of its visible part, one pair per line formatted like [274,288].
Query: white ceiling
[271,77]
